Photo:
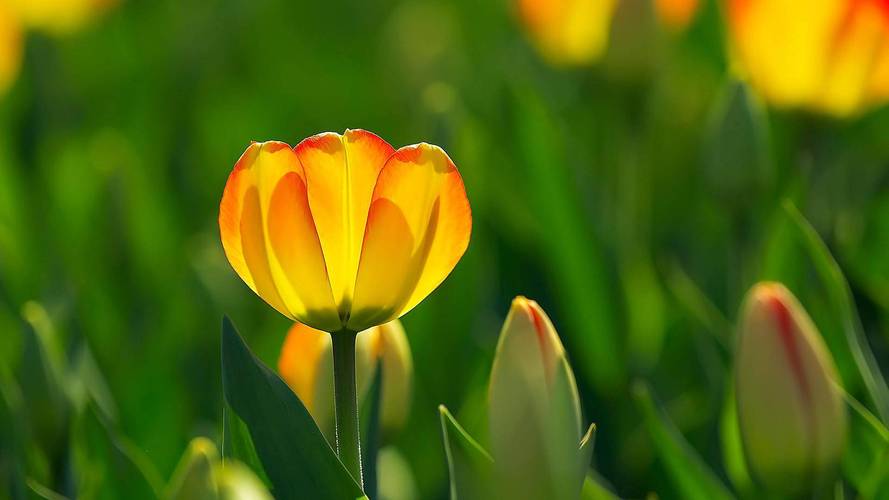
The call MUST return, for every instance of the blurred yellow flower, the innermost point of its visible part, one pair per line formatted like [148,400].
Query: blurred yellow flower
[827,55]
[342,231]
[57,16]
[676,14]
[791,415]
[10,47]
[568,32]
[306,364]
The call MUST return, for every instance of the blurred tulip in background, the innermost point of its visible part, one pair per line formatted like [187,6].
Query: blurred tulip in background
[825,55]
[306,364]
[791,414]
[568,32]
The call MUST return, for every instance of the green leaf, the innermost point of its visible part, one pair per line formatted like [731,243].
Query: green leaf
[866,460]
[43,491]
[12,436]
[370,431]
[107,464]
[237,444]
[88,383]
[294,453]
[735,156]
[469,465]
[40,375]
[595,489]
[840,295]
[690,474]
[698,306]
[732,447]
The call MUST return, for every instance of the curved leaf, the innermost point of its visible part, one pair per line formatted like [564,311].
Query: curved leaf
[299,462]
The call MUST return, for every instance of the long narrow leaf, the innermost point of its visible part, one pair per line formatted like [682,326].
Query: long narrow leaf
[841,297]
[690,474]
[470,466]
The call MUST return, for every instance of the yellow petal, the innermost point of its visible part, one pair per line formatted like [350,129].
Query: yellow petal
[306,364]
[341,171]
[269,236]
[387,344]
[861,34]
[417,229]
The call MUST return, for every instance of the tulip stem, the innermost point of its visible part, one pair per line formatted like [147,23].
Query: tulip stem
[348,445]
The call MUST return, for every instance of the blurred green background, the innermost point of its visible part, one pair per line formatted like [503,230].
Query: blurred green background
[636,200]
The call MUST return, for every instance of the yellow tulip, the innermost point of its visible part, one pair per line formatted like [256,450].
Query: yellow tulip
[10,47]
[825,55]
[57,16]
[306,364]
[568,32]
[343,231]
[791,415]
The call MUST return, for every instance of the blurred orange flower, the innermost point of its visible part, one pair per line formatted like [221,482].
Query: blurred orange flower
[342,231]
[568,32]
[10,47]
[306,364]
[826,55]
[676,14]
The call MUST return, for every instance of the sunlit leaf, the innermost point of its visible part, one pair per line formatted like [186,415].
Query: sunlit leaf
[594,489]
[469,465]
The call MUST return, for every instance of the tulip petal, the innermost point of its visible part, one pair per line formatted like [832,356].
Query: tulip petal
[341,171]
[270,239]
[418,227]
[306,364]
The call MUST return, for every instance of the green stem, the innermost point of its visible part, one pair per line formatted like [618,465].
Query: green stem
[348,446]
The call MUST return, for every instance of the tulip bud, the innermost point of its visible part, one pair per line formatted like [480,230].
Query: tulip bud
[202,475]
[534,410]
[790,412]
[306,364]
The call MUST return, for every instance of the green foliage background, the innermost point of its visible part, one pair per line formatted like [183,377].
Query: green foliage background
[636,200]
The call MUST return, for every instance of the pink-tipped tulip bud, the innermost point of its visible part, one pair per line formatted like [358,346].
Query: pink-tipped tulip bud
[534,411]
[791,413]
